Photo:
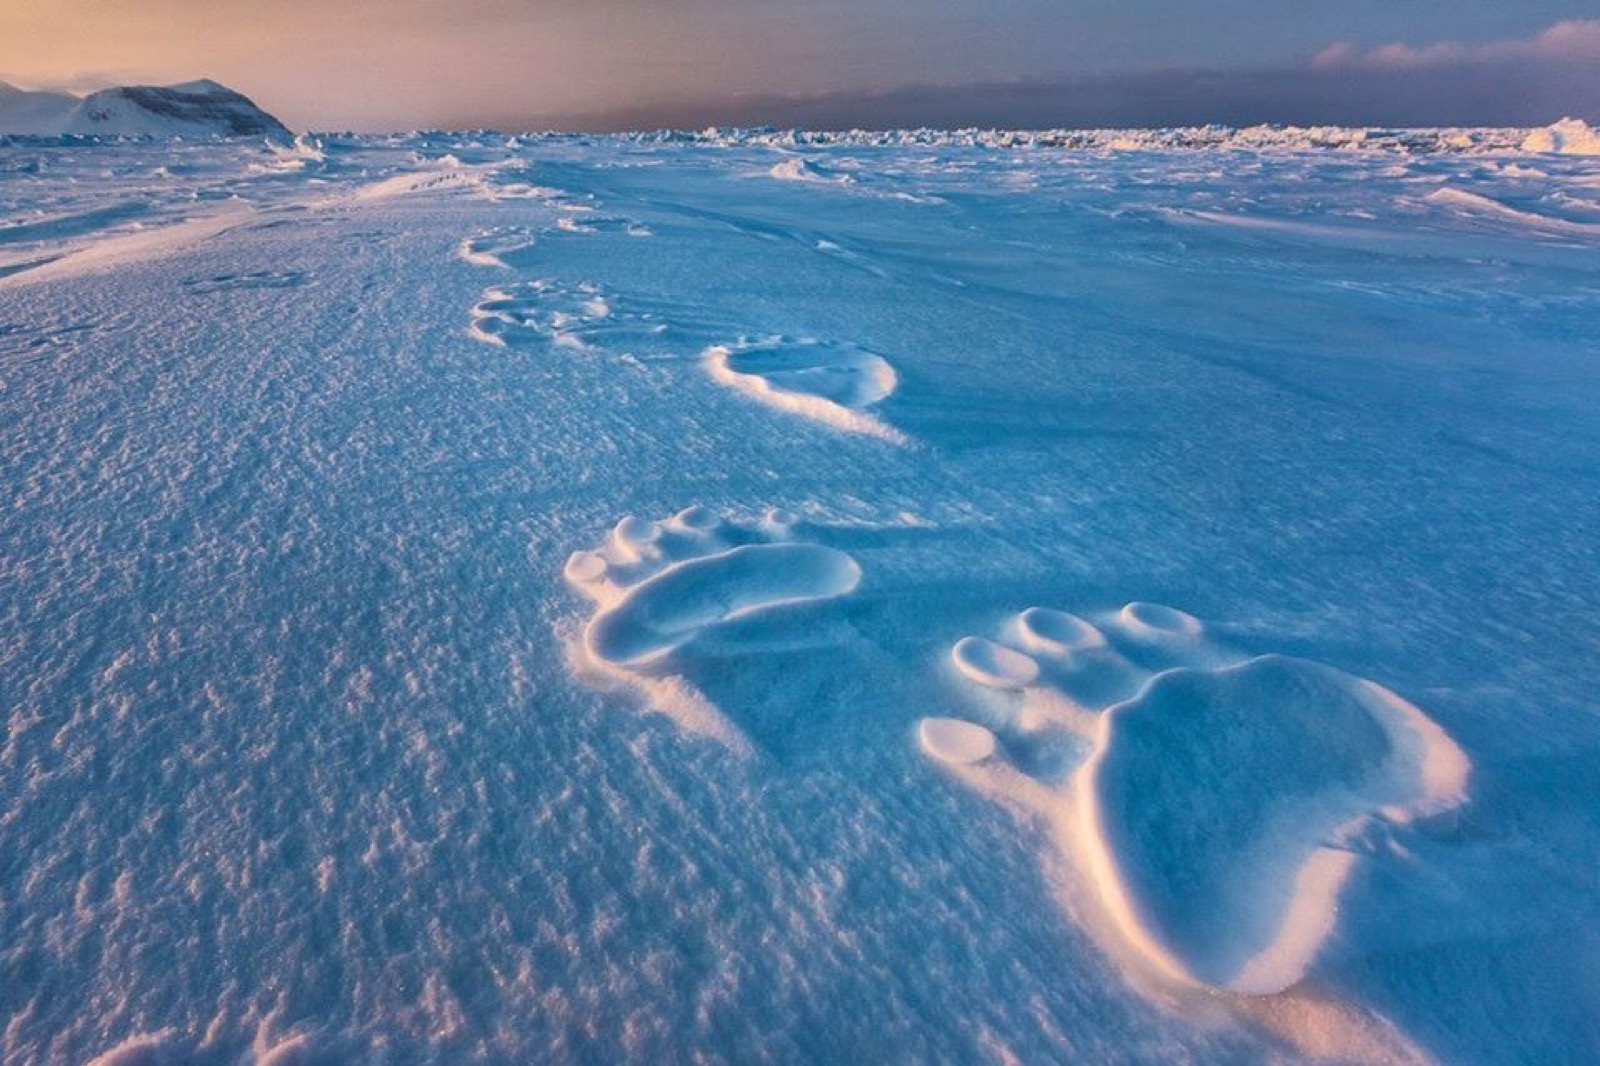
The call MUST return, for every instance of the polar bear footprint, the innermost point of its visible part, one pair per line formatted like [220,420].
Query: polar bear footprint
[1203,797]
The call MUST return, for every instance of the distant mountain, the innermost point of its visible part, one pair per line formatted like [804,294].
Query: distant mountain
[192,109]
[30,112]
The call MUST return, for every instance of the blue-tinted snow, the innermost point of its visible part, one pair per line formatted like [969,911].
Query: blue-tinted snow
[330,634]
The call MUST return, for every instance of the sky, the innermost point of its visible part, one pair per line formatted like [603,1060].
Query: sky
[602,64]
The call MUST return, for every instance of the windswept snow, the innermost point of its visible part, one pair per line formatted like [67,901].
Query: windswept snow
[1108,596]
[1468,202]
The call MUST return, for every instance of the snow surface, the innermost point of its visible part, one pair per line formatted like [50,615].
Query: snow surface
[1124,597]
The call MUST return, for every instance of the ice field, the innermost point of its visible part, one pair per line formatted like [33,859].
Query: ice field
[755,597]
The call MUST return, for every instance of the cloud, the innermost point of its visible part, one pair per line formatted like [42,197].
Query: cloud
[1527,82]
[77,84]
[1573,41]
[617,64]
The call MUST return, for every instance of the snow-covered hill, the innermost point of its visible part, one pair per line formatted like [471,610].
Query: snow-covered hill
[27,112]
[192,109]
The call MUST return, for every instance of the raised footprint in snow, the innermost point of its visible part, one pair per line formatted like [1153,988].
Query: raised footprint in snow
[579,221]
[831,382]
[659,587]
[583,316]
[513,246]
[503,247]
[1207,800]
[548,310]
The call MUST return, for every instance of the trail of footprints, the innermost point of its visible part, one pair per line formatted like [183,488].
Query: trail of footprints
[511,247]
[831,382]
[1209,805]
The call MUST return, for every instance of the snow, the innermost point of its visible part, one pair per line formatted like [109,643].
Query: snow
[1041,629]
[1469,202]
[143,1049]
[1570,136]
[701,584]
[829,382]
[799,168]
[1116,597]
[813,169]
[954,741]
[993,664]
[1237,885]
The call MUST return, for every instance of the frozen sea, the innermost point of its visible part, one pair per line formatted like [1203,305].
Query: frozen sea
[762,598]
